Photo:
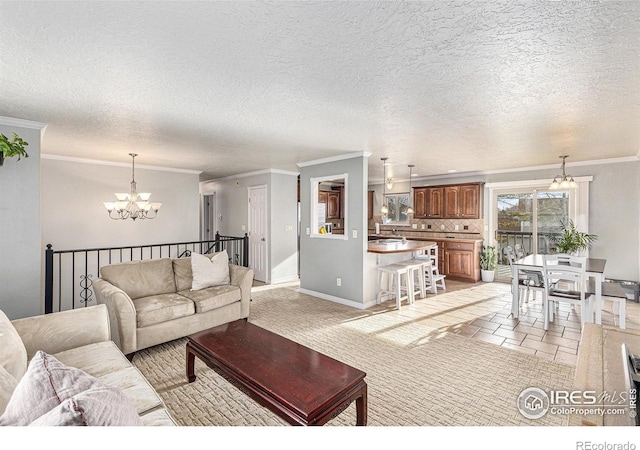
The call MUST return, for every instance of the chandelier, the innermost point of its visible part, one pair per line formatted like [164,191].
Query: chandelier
[384,210]
[133,205]
[565,181]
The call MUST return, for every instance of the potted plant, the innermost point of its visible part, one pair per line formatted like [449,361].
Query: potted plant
[11,148]
[488,263]
[573,241]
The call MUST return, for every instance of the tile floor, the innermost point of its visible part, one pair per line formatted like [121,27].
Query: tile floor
[483,311]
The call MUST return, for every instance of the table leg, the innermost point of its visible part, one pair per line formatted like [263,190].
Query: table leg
[361,407]
[191,376]
[515,292]
[598,280]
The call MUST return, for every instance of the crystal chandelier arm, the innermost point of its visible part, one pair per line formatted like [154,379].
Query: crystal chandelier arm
[133,205]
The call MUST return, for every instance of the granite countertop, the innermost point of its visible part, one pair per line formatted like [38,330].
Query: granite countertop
[399,247]
[427,238]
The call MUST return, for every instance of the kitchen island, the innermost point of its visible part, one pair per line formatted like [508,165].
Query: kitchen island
[458,257]
[388,251]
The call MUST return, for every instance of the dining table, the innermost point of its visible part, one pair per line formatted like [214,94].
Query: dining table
[594,270]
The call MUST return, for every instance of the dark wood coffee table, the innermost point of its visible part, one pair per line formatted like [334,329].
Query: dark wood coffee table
[301,385]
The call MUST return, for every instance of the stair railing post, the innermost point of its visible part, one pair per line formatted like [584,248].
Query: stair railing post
[245,250]
[48,279]
[217,242]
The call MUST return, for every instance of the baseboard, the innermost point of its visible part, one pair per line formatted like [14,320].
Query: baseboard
[332,298]
[284,280]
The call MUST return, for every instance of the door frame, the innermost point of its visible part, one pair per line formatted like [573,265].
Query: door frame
[266,226]
[578,203]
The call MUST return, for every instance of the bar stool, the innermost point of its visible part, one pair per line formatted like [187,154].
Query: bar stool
[395,287]
[433,276]
[418,269]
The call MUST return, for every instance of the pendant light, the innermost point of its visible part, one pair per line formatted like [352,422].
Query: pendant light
[410,208]
[565,181]
[384,210]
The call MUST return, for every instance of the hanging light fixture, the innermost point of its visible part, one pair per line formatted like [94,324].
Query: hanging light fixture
[565,181]
[410,208]
[384,210]
[389,182]
[133,205]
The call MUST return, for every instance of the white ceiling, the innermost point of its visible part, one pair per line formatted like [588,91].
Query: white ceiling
[235,87]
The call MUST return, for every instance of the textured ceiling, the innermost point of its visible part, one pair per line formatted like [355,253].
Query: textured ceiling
[235,87]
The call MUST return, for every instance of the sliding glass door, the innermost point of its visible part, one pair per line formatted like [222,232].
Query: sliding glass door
[527,219]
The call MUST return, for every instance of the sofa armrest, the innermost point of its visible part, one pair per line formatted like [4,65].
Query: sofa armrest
[243,278]
[122,314]
[60,331]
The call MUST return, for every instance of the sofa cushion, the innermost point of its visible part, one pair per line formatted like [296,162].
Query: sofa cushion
[45,385]
[209,272]
[141,278]
[162,308]
[98,406]
[213,297]
[158,418]
[182,273]
[97,359]
[107,363]
[13,356]
[7,385]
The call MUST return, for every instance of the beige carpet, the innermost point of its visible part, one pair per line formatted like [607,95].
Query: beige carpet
[417,375]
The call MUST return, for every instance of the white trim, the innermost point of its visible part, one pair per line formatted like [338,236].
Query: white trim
[287,279]
[595,162]
[578,203]
[251,174]
[531,183]
[115,164]
[22,123]
[333,159]
[332,298]
[267,230]
[314,207]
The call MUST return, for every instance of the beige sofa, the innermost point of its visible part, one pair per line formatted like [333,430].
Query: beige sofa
[79,339]
[151,302]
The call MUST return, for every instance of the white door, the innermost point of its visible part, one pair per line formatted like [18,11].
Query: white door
[209,224]
[258,232]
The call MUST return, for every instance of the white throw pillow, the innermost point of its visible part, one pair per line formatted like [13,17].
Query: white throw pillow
[48,384]
[99,406]
[209,272]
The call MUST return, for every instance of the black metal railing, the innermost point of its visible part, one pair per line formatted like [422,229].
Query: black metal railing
[522,242]
[69,274]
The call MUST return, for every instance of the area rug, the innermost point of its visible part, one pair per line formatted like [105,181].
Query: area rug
[416,375]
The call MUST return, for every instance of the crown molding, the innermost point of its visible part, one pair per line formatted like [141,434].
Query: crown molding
[22,123]
[116,164]
[595,162]
[334,158]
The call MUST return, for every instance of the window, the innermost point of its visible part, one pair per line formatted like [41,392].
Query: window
[397,205]
[320,227]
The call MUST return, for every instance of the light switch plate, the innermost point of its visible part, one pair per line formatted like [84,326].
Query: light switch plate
[354,233]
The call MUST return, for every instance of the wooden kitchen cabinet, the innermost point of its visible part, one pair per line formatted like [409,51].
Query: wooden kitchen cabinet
[435,202]
[428,202]
[455,201]
[462,260]
[462,201]
[370,204]
[333,205]
[420,203]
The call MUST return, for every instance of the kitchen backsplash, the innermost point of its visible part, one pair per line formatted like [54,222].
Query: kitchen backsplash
[474,227]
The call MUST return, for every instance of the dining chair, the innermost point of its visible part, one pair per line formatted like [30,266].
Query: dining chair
[528,280]
[565,280]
